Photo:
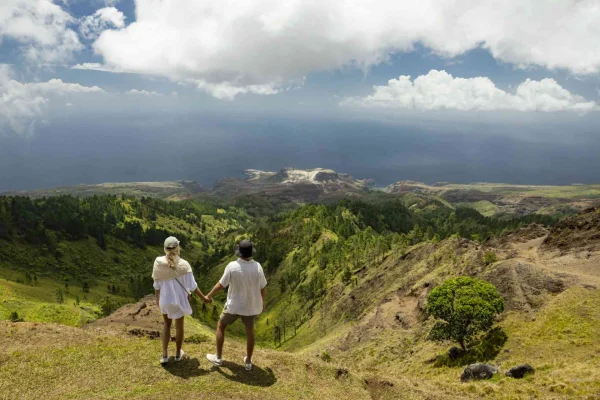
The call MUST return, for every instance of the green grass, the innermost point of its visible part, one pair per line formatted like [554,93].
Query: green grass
[484,207]
[55,362]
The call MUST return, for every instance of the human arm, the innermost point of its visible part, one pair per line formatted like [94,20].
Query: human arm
[214,290]
[223,283]
[201,295]
[157,292]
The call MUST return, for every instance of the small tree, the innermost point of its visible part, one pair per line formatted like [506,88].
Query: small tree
[215,312]
[60,297]
[86,287]
[108,306]
[346,275]
[489,258]
[465,306]
[204,309]
[14,317]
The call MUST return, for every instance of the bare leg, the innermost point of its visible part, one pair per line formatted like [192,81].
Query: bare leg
[166,335]
[249,342]
[220,338]
[178,334]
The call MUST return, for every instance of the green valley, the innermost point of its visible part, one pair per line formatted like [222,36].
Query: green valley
[346,308]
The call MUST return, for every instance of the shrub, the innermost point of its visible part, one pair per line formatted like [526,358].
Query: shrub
[14,317]
[197,338]
[464,307]
[326,357]
[489,258]
[346,275]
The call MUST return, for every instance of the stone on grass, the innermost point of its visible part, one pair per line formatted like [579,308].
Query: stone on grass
[478,372]
[520,371]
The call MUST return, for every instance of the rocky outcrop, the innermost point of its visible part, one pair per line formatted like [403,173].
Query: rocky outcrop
[478,372]
[520,371]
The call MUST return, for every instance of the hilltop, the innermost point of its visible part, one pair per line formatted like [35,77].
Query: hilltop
[171,190]
[497,198]
[292,185]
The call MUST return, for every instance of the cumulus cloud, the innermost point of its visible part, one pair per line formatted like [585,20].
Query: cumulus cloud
[144,93]
[258,46]
[228,91]
[42,27]
[97,67]
[440,90]
[22,104]
[109,17]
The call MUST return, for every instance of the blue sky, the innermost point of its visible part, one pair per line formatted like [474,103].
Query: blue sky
[208,73]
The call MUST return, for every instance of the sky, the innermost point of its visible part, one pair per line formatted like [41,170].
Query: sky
[98,91]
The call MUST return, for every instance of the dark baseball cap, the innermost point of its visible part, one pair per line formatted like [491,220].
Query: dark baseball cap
[245,249]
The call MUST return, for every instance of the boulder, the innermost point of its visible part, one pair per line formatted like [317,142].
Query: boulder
[454,353]
[520,371]
[478,371]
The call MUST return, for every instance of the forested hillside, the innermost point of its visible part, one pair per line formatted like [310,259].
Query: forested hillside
[316,249]
[97,252]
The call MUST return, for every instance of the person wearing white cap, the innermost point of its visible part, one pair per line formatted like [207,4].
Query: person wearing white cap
[174,283]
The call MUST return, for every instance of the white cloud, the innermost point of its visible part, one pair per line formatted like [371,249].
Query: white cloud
[439,90]
[96,67]
[144,93]
[258,46]
[92,25]
[22,104]
[227,91]
[41,27]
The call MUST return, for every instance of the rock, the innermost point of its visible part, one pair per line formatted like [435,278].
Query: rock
[399,317]
[478,371]
[520,371]
[454,353]
[341,373]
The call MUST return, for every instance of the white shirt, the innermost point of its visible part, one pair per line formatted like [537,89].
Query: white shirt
[173,298]
[245,280]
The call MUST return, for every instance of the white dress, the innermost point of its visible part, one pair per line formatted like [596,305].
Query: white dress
[173,298]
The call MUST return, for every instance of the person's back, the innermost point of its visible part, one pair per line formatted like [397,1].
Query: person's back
[245,280]
[245,299]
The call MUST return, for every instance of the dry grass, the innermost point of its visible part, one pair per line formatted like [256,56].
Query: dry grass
[58,362]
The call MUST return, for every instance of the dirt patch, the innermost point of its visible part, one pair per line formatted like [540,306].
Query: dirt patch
[524,285]
[378,388]
[142,319]
[575,233]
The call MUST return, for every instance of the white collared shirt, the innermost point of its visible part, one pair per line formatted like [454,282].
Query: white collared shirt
[245,280]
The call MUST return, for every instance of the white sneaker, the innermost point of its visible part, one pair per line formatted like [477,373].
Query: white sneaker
[213,359]
[248,365]
[181,355]
[164,360]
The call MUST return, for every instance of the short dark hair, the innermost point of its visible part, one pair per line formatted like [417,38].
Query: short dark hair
[245,249]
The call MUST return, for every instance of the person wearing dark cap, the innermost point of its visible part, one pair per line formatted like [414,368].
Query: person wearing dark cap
[245,299]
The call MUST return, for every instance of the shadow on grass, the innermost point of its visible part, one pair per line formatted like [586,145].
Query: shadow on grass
[484,349]
[256,377]
[186,368]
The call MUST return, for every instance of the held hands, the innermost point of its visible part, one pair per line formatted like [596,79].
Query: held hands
[207,299]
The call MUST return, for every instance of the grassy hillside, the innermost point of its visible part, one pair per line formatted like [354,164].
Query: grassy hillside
[71,260]
[57,362]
